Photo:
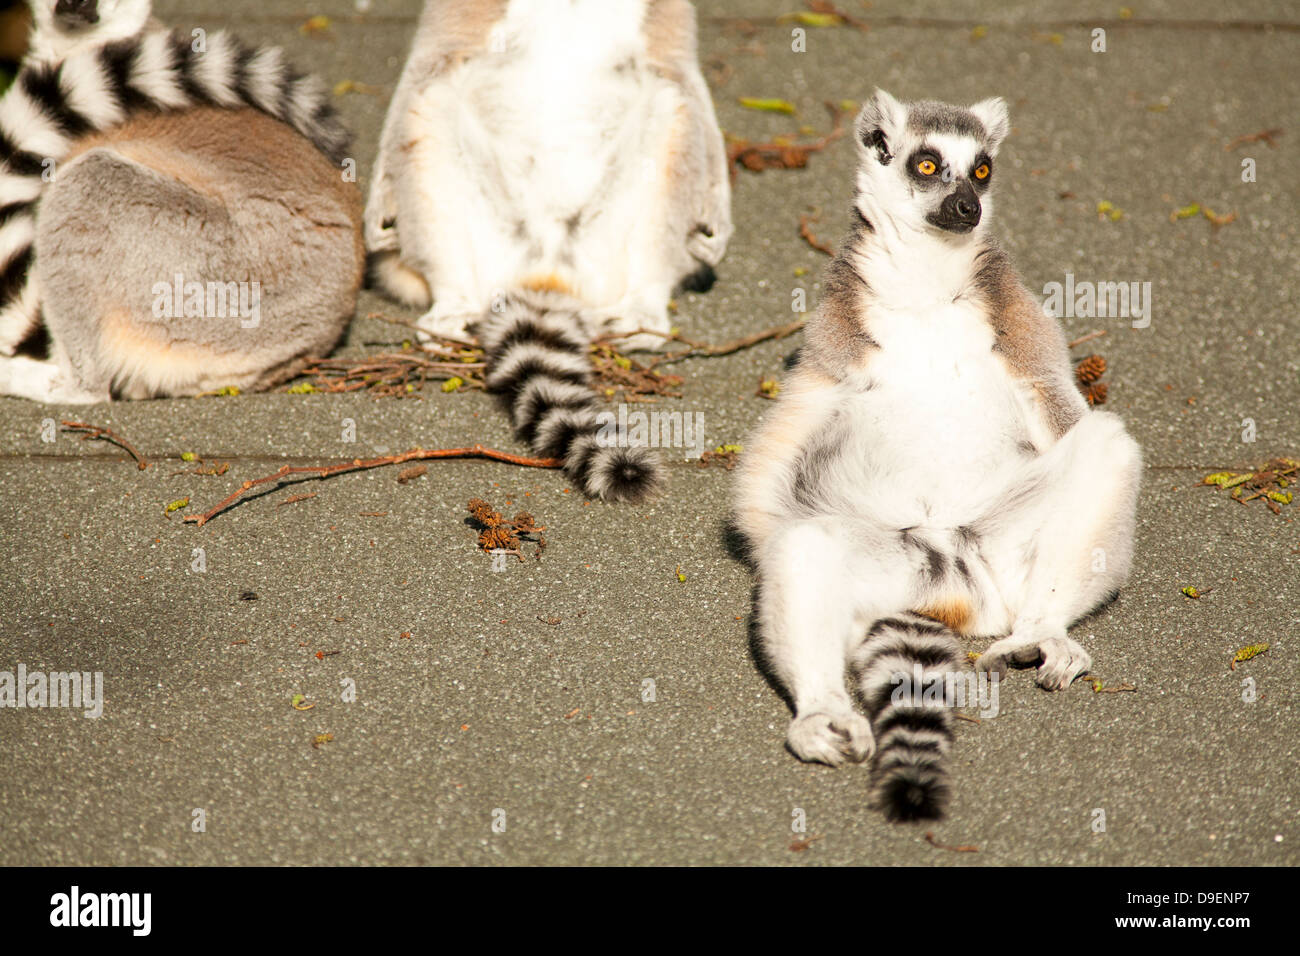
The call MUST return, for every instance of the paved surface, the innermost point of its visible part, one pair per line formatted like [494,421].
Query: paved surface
[486,706]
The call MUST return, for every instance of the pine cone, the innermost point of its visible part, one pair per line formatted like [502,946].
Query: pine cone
[1090,369]
[1095,393]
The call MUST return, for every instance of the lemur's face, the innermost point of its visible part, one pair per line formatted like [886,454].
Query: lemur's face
[928,166]
[82,16]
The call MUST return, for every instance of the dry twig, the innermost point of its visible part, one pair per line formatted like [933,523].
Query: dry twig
[930,839]
[96,432]
[806,233]
[357,464]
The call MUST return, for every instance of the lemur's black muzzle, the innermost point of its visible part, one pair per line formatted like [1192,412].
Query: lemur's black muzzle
[77,12]
[960,210]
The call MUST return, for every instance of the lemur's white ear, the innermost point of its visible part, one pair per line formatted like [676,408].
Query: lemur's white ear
[993,114]
[880,121]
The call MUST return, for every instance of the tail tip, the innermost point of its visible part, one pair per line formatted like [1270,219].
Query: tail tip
[912,793]
[629,474]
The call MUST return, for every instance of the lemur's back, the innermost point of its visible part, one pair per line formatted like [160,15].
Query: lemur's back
[228,198]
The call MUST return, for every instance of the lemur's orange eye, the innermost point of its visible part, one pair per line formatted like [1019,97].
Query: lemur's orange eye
[926,167]
[982,171]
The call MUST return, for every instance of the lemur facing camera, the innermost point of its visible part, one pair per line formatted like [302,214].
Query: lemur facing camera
[549,171]
[930,469]
[170,208]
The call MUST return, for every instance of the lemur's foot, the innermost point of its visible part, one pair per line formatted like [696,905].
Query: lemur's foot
[441,323]
[1060,659]
[831,737]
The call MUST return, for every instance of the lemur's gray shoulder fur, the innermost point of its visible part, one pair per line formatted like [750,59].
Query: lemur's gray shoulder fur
[1030,341]
[836,336]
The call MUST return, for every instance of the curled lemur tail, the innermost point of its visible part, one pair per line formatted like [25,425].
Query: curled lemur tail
[52,104]
[913,734]
[538,364]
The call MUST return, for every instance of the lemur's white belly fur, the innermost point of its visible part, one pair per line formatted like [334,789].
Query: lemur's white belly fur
[943,423]
[550,141]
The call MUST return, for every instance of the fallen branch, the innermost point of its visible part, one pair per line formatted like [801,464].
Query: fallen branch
[108,435]
[708,350]
[357,464]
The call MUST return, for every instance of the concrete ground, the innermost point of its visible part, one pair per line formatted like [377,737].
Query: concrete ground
[522,691]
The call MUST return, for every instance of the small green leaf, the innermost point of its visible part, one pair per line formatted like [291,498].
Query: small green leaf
[809,19]
[767,105]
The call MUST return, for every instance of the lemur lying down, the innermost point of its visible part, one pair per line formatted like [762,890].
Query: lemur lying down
[930,469]
[170,209]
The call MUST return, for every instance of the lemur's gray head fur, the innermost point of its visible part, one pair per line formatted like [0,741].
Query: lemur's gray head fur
[928,166]
[63,26]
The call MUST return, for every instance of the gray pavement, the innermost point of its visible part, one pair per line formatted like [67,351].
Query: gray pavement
[488,706]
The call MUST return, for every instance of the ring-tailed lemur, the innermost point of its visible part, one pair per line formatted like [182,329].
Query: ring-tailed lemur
[550,170]
[93,65]
[197,233]
[930,469]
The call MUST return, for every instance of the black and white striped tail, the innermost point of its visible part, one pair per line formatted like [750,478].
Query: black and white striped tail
[538,364]
[913,736]
[52,104]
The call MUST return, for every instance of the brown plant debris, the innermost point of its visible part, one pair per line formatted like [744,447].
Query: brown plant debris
[216,468]
[1099,688]
[930,839]
[723,455]
[397,374]
[1086,338]
[1090,369]
[1270,484]
[410,474]
[292,499]
[798,845]
[620,376]
[806,233]
[1263,136]
[780,153]
[99,433]
[499,535]
[826,8]
[1087,374]
[357,464]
